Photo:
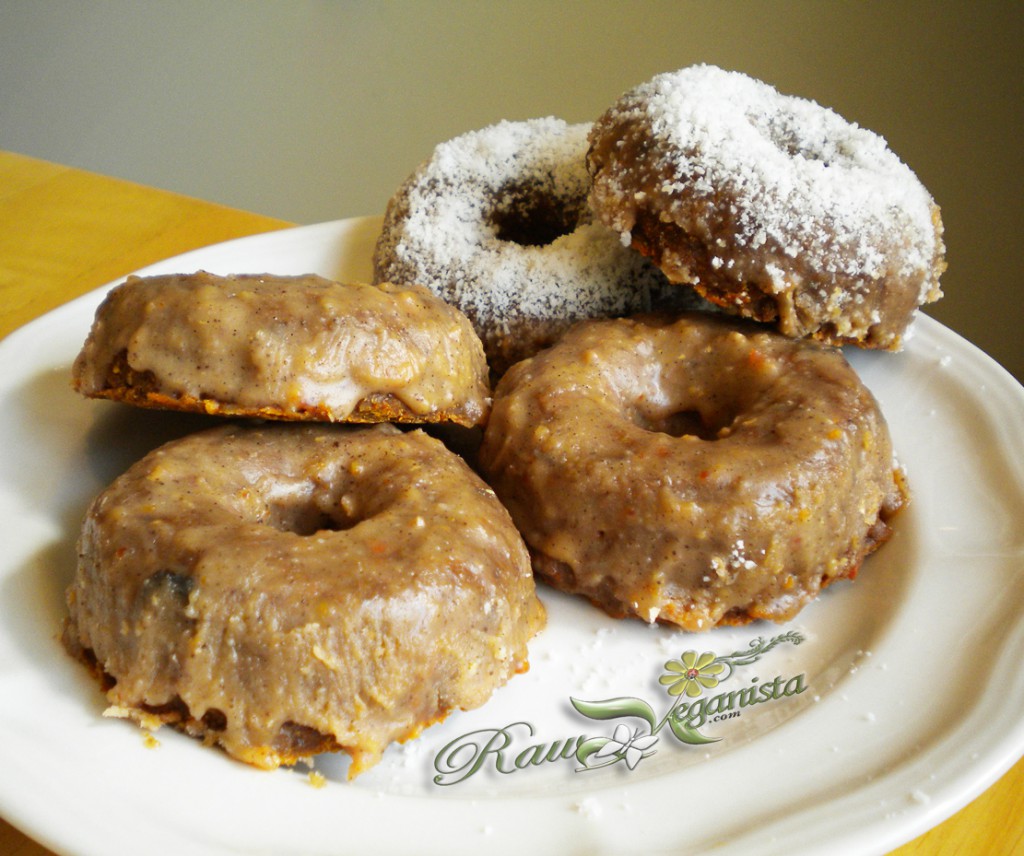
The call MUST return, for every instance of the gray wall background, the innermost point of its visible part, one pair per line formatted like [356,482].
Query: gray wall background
[311,110]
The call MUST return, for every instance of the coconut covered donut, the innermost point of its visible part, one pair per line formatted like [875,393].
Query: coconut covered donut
[770,206]
[292,589]
[696,471]
[285,347]
[497,223]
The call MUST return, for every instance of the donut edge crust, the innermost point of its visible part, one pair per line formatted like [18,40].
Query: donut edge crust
[684,258]
[680,615]
[295,743]
[125,385]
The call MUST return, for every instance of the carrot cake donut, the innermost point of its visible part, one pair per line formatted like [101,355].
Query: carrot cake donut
[770,206]
[285,347]
[693,470]
[288,589]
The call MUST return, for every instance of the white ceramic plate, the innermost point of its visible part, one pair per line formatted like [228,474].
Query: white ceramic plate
[900,703]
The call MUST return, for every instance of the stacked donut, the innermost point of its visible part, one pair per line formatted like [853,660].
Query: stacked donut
[771,207]
[691,468]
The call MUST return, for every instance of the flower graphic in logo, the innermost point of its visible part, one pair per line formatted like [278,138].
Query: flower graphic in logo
[692,674]
[628,745]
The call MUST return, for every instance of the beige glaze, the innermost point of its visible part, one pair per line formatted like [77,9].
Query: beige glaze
[285,347]
[697,471]
[290,589]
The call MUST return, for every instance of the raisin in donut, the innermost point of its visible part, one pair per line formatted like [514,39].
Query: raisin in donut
[290,589]
[285,347]
[694,470]
[770,206]
[497,223]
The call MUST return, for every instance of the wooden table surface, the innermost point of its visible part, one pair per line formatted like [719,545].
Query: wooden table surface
[64,232]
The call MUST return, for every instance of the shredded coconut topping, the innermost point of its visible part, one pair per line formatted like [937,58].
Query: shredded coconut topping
[787,190]
[794,166]
[461,225]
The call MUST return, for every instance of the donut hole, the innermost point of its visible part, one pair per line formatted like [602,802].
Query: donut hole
[783,130]
[686,423]
[530,217]
[310,518]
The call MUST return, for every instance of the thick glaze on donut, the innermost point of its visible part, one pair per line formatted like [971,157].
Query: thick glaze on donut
[290,589]
[697,471]
[496,222]
[285,347]
[770,206]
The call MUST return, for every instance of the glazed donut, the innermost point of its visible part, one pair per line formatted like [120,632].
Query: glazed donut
[291,589]
[770,206]
[496,222]
[285,347]
[694,470]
